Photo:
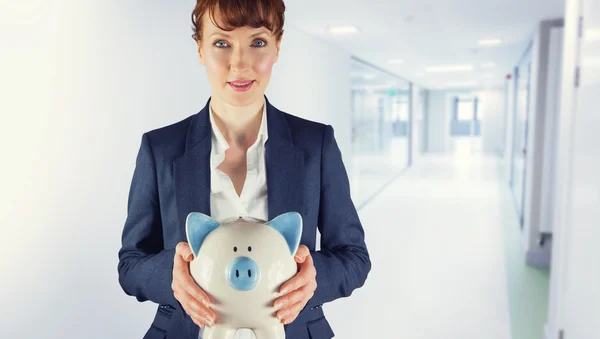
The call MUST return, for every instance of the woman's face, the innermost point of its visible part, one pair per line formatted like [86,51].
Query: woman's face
[244,55]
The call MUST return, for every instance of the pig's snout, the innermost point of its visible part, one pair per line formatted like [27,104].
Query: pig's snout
[244,274]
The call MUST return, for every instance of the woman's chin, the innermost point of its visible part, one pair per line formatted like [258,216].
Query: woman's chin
[242,99]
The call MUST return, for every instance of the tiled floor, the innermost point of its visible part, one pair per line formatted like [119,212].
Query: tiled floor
[437,241]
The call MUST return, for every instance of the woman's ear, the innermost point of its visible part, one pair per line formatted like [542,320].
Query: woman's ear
[278,46]
[201,53]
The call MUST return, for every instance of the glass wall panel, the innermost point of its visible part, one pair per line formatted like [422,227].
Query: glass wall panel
[380,120]
[519,151]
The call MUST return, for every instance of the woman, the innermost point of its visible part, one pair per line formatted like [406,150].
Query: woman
[240,156]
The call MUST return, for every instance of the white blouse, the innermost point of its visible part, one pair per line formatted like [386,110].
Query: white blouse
[224,200]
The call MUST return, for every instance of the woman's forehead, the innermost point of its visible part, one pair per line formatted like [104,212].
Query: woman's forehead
[239,31]
[211,29]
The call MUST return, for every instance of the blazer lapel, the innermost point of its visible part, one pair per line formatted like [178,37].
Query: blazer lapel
[284,163]
[285,166]
[192,170]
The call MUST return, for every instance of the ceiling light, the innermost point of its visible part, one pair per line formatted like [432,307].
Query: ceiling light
[488,65]
[462,84]
[343,30]
[455,68]
[490,42]
[395,61]
[371,87]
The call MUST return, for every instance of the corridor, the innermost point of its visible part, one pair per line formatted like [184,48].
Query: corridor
[437,239]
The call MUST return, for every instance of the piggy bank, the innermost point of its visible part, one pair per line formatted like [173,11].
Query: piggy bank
[241,265]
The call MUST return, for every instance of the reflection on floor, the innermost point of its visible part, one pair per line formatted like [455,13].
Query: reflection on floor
[444,242]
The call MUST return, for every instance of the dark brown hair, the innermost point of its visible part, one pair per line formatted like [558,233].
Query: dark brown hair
[240,13]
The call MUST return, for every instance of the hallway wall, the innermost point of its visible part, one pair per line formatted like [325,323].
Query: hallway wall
[439,115]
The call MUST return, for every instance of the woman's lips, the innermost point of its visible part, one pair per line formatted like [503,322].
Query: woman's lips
[241,85]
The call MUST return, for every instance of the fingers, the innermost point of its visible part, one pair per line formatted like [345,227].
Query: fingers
[295,283]
[291,313]
[182,277]
[200,314]
[192,306]
[184,250]
[285,302]
[301,254]
[192,298]
[307,273]
[287,305]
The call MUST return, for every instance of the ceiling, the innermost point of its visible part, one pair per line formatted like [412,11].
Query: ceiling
[366,77]
[429,33]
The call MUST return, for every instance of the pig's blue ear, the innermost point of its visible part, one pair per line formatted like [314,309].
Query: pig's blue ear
[197,227]
[290,226]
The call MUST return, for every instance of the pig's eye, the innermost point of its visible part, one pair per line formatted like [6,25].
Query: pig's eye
[235,249]
[249,249]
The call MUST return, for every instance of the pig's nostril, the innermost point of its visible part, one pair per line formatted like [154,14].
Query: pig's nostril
[243,273]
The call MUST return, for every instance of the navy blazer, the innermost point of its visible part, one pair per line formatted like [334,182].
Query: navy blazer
[305,174]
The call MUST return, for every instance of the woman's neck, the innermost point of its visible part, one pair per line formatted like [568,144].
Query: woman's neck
[239,125]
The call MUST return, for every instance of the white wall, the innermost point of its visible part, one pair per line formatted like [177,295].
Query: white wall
[539,151]
[417,124]
[438,129]
[510,123]
[574,304]
[551,129]
[425,123]
[491,106]
[81,82]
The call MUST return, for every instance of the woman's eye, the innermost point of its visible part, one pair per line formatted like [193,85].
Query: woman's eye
[261,43]
[220,44]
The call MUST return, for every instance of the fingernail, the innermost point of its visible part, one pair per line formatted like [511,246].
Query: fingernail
[279,305]
[284,291]
[203,301]
[209,320]
[189,256]
[282,315]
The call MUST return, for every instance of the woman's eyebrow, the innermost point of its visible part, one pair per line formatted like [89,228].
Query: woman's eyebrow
[225,34]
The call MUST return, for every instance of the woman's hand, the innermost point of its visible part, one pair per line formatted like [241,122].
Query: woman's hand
[194,300]
[298,290]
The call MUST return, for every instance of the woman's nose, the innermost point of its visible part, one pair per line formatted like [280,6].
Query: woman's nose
[239,60]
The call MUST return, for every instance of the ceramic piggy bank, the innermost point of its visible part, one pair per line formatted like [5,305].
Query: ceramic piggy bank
[241,264]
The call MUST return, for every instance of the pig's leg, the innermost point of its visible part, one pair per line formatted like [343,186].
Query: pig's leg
[275,332]
[218,332]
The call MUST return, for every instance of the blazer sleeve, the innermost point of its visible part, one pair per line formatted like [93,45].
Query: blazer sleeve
[343,262]
[145,268]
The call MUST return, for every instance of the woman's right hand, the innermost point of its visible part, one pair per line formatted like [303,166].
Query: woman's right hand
[194,300]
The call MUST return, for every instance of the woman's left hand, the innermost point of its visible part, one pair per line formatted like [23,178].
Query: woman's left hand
[298,290]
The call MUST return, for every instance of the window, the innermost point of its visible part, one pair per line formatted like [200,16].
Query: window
[466,110]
